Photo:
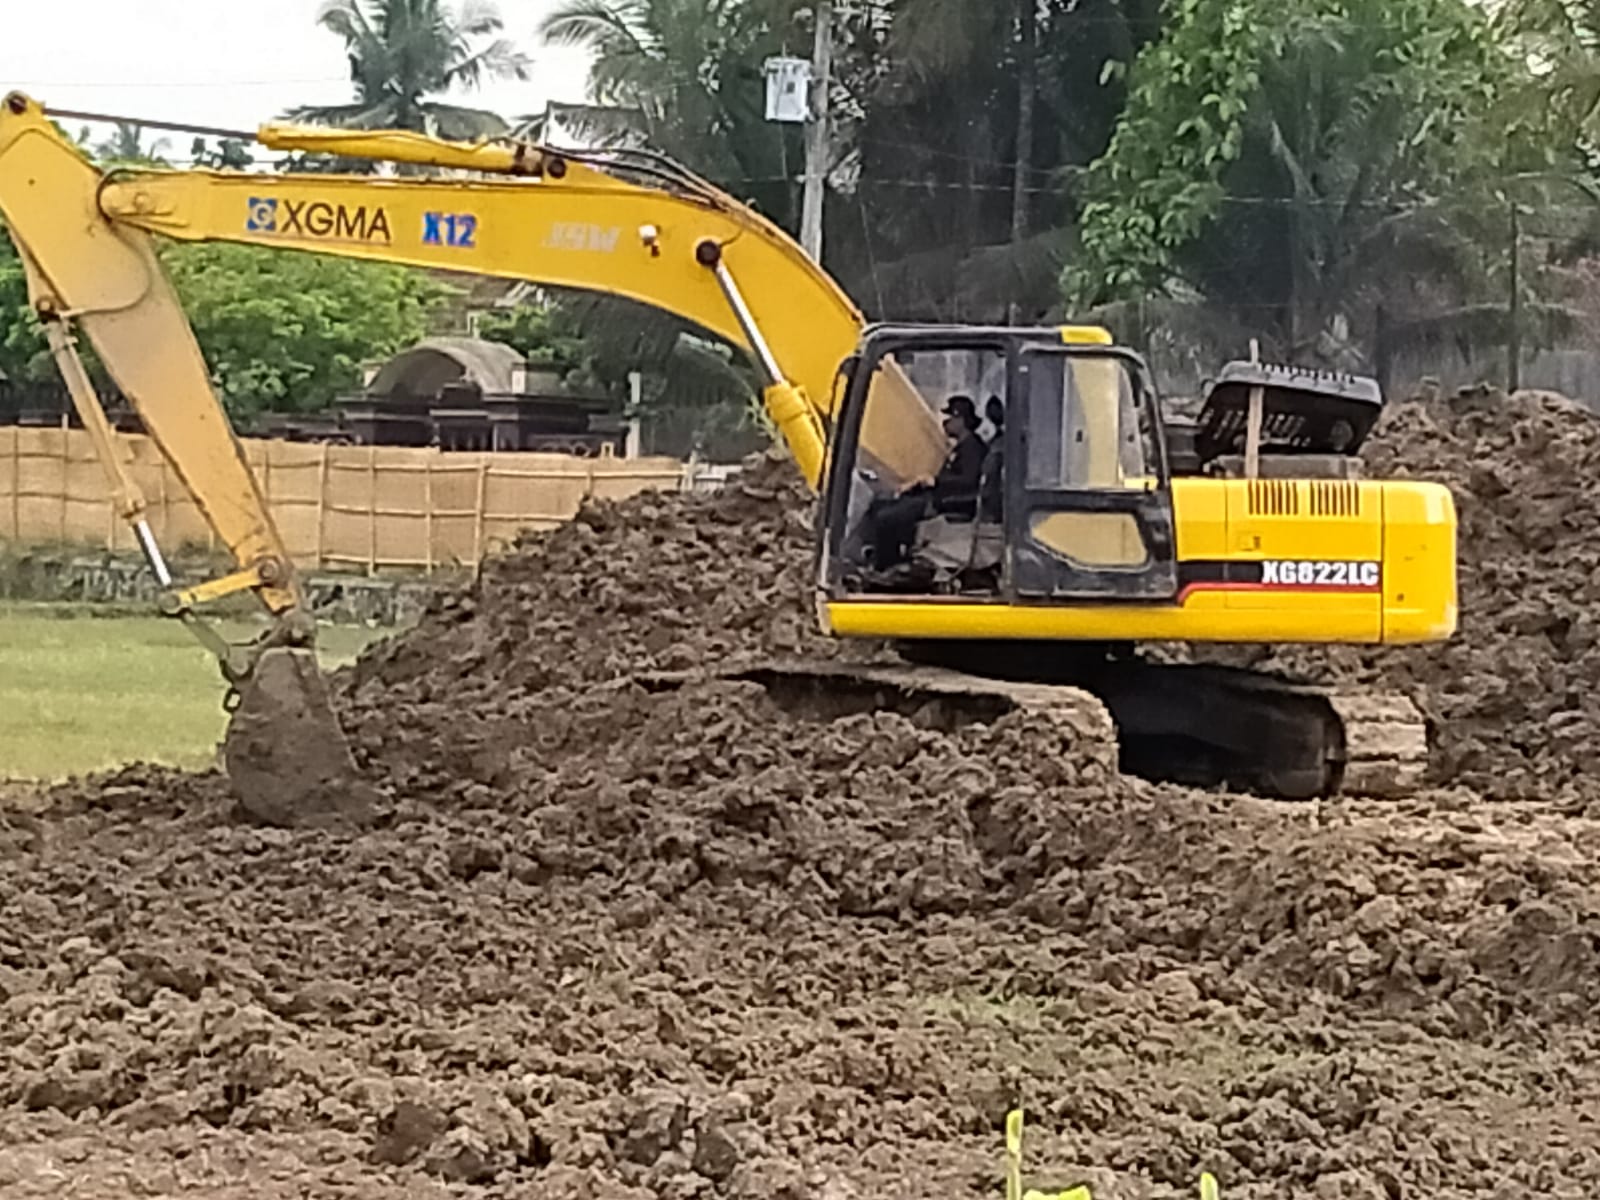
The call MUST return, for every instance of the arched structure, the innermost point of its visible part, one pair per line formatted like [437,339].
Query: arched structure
[426,369]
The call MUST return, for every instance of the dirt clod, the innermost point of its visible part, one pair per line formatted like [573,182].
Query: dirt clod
[405,1132]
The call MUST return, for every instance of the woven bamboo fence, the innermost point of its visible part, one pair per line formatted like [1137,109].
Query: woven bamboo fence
[338,507]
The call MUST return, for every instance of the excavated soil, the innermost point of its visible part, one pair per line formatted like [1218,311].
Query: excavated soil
[610,940]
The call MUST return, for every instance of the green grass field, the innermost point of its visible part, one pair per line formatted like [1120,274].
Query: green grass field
[86,692]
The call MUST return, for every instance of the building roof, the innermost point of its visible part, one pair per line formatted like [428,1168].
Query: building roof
[423,369]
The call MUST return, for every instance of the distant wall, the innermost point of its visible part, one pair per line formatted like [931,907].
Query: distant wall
[365,508]
[1572,372]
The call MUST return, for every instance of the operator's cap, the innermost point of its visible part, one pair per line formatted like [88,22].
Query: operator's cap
[963,407]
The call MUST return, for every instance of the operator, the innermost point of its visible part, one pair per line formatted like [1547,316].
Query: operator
[991,488]
[891,521]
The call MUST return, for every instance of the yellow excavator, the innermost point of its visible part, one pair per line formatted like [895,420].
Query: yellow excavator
[1098,526]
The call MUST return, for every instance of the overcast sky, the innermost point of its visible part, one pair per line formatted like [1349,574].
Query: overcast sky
[229,63]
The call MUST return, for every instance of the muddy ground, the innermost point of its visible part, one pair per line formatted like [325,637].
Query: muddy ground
[611,941]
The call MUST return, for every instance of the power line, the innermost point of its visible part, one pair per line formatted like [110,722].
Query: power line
[1396,208]
[145,84]
[965,158]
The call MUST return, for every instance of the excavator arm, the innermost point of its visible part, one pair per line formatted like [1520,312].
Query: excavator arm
[636,226]
[88,273]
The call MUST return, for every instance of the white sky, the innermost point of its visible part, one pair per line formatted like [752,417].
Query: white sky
[228,63]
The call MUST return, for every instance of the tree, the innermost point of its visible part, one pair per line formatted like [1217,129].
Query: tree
[692,69]
[22,348]
[125,147]
[956,59]
[280,331]
[229,154]
[694,389]
[599,340]
[545,335]
[1282,157]
[976,119]
[289,331]
[1561,97]
[402,52]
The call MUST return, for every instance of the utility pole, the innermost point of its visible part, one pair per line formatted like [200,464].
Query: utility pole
[1514,307]
[817,132]
[1027,89]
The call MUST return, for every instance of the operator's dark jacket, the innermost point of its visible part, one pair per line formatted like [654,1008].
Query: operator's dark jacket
[892,520]
[955,488]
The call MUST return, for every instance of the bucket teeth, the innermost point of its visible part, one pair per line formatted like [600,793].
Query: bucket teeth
[286,757]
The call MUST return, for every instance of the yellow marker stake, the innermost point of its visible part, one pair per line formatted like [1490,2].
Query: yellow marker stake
[1014,1154]
[1014,1167]
[1208,1187]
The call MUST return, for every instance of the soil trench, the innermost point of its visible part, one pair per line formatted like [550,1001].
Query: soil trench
[608,940]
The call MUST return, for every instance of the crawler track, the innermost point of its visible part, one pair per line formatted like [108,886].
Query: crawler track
[1199,725]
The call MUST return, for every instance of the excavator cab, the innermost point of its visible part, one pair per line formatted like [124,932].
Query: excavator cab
[1073,502]
[1095,540]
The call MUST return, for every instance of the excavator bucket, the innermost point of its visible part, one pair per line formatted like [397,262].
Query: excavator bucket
[287,760]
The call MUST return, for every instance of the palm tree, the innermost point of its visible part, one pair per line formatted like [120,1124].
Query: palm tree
[631,66]
[973,134]
[404,51]
[692,71]
[665,59]
[125,147]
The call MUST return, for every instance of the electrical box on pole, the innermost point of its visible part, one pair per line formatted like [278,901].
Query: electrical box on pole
[788,90]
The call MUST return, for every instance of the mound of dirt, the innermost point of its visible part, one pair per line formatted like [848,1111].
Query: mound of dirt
[625,938]
[660,582]
[1511,704]
[701,947]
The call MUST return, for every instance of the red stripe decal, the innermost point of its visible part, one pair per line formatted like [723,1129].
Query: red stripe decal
[1217,585]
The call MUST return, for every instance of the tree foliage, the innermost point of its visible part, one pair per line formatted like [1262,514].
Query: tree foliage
[126,147]
[1558,101]
[228,154]
[692,70]
[21,344]
[599,341]
[1160,179]
[1281,156]
[404,53]
[281,331]
[1286,166]
[287,331]
[927,145]
[546,335]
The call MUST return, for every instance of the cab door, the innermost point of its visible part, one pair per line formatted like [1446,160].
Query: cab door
[1088,506]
